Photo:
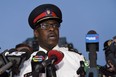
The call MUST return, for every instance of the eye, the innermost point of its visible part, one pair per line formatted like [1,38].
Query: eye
[56,25]
[44,26]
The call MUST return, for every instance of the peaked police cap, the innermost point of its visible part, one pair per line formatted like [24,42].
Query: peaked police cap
[44,12]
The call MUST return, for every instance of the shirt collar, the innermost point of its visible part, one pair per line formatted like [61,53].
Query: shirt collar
[42,49]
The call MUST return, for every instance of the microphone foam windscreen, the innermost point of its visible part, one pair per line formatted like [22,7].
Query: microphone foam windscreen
[92,32]
[59,55]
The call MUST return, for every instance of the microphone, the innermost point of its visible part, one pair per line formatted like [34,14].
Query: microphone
[92,45]
[15,59]
[92,38]
[3,59]
[37,67]
[51,70]
[2,62]
[81,70]
[54,57]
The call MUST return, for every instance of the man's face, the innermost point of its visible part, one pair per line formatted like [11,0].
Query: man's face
[48,34]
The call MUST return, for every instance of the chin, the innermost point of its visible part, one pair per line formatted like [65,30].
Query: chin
[52,44]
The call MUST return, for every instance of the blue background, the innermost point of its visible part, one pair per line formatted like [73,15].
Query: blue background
[79,17]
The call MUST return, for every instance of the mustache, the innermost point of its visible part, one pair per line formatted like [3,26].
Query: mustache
[52,34]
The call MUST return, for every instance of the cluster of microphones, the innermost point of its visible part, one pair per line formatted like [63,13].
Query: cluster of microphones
[42,63]
[12,60]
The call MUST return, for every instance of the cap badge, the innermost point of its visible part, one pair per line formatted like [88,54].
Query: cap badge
[48,12]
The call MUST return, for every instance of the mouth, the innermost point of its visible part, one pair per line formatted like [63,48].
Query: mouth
[52,36]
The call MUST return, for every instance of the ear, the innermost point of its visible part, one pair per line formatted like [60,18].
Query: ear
[36,33]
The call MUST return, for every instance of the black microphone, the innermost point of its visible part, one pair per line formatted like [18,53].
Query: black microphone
[15,59]
[92,45]
[51,70]
[81,70]
[54,57]
[37,67]
[3,59]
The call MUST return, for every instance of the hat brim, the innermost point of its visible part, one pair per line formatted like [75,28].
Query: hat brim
[47,18]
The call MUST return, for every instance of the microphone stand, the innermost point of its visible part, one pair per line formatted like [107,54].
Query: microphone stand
[92,45]
[51,71]
[92,71]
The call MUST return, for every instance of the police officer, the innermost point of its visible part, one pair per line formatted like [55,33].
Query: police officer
[46,20]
